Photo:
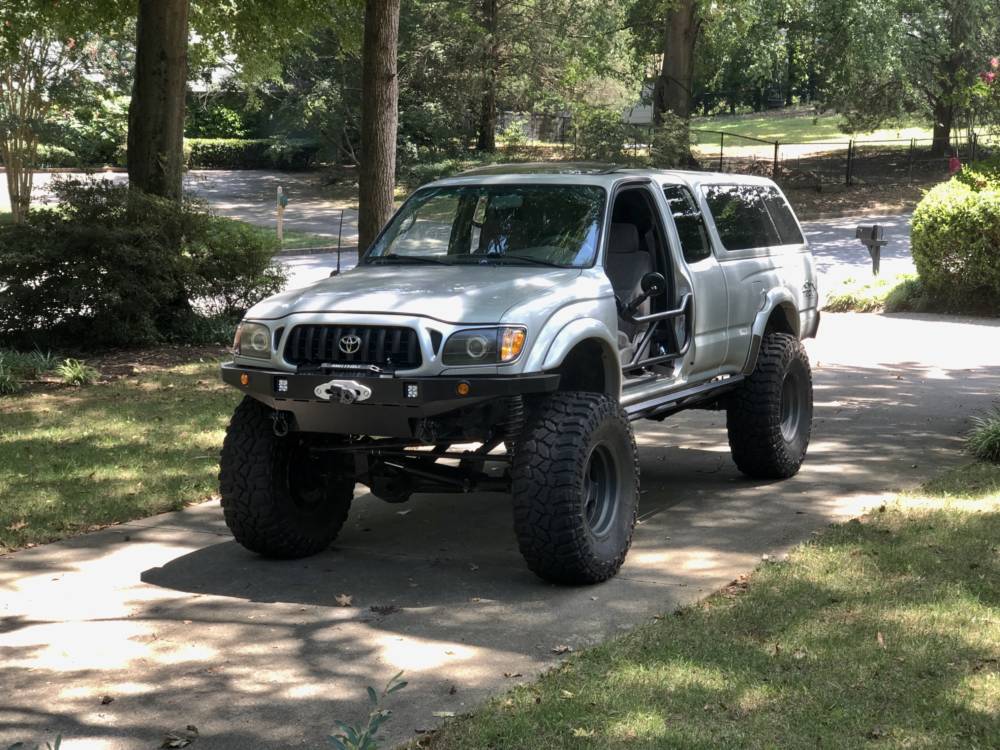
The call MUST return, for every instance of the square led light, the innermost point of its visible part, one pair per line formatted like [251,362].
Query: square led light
[412,390]
[281,385]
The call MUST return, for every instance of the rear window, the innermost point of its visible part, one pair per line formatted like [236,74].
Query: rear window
[751,216]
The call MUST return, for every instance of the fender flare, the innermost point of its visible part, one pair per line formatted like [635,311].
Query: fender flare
[576,332]
[773,300]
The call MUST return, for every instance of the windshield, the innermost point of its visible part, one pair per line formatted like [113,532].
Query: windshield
[550,225]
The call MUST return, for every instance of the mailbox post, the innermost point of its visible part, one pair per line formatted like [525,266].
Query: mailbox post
[281,204]
[872,236]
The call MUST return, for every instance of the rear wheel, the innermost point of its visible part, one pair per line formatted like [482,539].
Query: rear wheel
[769,419]
[576,489]
[279,498]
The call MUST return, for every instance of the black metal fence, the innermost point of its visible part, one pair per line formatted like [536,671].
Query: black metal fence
[850,162]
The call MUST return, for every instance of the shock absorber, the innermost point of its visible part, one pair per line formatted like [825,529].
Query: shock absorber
[514,425]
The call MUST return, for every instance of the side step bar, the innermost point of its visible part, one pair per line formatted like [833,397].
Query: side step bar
[670,403]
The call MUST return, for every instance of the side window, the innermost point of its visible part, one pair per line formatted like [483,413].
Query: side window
[741,216]
[687,219]
[784,220]
[428,230]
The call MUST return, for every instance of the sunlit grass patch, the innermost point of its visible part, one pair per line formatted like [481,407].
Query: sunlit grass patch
[72,460]
[881,630]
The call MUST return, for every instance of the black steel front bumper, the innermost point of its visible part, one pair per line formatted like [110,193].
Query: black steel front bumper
[392,407]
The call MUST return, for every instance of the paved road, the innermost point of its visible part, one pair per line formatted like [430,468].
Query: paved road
[249,195]
[241,194]
[181,626]
[838,254]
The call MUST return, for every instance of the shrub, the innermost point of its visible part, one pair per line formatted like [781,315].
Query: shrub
[239,153]
[9,383]
[114,267]
[600,133]
[232,266]
[983,441]
[670,146]
[75,372]
[956,242]
[897,294]
[27,365]
[55,157]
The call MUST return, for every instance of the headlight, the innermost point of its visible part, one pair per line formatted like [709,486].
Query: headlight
[252,340]
[484,346]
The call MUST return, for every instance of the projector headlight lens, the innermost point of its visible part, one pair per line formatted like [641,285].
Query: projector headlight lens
[484,346]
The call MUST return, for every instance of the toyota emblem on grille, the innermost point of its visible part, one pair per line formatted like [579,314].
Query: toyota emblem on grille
[349,344]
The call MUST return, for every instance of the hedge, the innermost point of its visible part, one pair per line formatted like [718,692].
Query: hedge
[956,242]
[259,153]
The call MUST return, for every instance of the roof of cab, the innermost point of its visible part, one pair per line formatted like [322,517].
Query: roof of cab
[587,173]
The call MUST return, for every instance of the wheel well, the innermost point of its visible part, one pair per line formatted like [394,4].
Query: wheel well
[783,319]
[590,366]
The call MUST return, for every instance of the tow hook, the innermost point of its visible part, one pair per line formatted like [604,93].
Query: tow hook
[279,423]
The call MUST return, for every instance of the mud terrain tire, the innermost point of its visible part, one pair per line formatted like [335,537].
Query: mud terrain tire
[279,500]
[576,488]
[769,418]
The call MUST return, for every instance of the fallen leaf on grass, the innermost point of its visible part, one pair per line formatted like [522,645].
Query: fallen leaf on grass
[512,675]
[566,694]
[562,648]
[343,600]
[880,638]
[443,714]
[581,732]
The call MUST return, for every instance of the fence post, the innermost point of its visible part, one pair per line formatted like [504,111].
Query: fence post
[909,166]
[850,161]
[975,145]
[774,169]
[722,148]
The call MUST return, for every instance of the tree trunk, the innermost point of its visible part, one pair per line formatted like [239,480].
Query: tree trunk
[487,131]
[672,90]
[156,114]
[790,70]
[379,118]
[943,117]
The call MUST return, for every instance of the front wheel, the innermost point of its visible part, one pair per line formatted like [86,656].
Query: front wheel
[280,499]
[769,419]
[576,489]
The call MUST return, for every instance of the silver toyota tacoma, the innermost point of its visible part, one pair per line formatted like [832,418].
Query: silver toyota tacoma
[502,334]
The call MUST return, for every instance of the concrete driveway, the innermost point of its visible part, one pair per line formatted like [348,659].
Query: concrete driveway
[181,626]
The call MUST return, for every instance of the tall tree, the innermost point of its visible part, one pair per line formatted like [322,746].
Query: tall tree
[672,90]
[489,13]
[43,54]
[156,114]
[379,118]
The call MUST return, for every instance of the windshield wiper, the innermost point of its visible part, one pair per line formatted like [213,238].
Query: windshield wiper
[536,261]
[409,258]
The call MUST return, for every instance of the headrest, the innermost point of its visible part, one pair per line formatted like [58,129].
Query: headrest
[624,239]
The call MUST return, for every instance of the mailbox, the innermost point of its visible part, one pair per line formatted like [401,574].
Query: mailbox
[872,236]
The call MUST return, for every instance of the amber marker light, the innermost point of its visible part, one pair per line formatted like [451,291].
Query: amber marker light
[244,379]
[511,343]
[462,389]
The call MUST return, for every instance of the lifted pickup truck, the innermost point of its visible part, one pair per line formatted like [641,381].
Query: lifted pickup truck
[502,333]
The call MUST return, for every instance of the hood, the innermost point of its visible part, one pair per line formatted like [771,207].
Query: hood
[464,294]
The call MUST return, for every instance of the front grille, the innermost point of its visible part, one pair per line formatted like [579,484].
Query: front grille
[384,346]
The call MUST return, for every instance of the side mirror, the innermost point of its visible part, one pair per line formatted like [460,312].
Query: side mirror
[653,285]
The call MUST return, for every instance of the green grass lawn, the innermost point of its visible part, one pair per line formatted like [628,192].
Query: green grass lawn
[72,459]
[6,217]
[882,633]
[806,129]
